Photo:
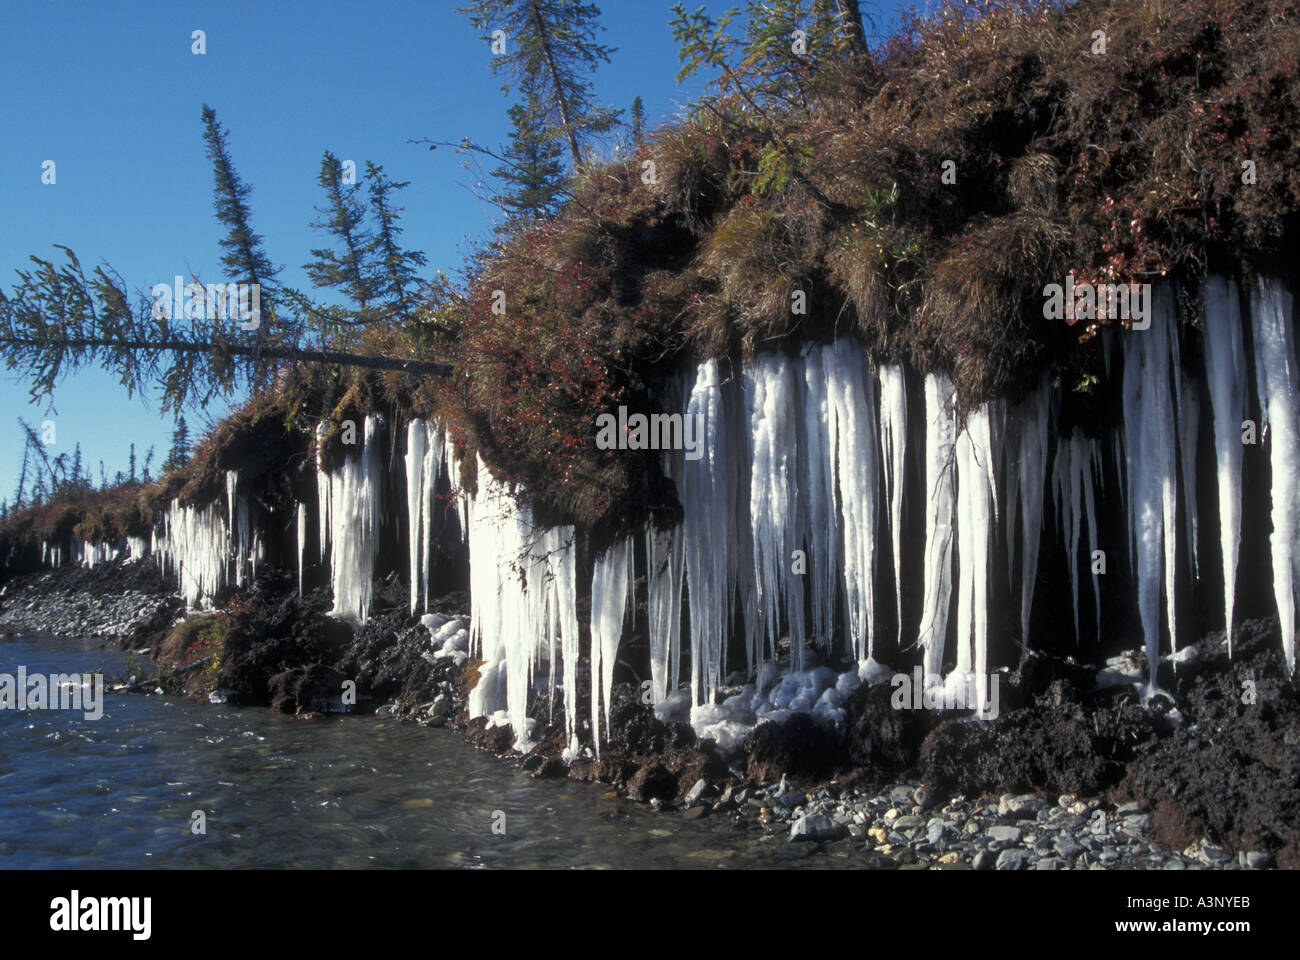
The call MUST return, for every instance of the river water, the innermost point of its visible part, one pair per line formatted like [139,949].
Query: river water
[342,792]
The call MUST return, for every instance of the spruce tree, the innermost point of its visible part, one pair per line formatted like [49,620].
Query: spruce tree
[245,259]
[638,124]
[180,450]
[394,269]
[553,42]
[347,269]
[533,175]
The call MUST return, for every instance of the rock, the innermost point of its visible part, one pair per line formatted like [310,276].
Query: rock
[1256,860]
[909,822]
[984,860]
[878,834]
[1066,846]
[818,828]
[1124,809]
[696,813]
[793,799]
[934,831]
[1137,823]
[925,799]
[951,857]
[1004,834]
[1048,863]
[699,791]
[1021,807]
[1011,859]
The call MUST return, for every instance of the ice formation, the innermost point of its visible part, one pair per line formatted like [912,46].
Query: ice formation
[709,547]
[355,505]
[855,468]
[1225,363]
[1151,449]
[893,444]
[302,540]
[941,498]
[977,509]
[523,590]
[611,586]
[1078,463]
[1279,391]
[1026,448]
[771,395]
[803,458]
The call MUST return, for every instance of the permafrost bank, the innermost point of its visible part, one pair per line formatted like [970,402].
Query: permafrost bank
[807,466]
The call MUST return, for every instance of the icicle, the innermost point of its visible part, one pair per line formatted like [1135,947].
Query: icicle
[416,527]
[941,492]
[194,546]
[610,585]
[1026,478]
[355,505]
[1078,459]
[818,488]
[232,481]
[977,513]
[1150,356]
[705,529]
[1278,391]
[665,565]
[564,594]
[771,395]
[1225,364]
[322,491]
[302,541]
[893,439]
[1189,425]
[852,430]
[433,451]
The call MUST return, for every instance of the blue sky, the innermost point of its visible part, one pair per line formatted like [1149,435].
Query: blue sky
[112,93]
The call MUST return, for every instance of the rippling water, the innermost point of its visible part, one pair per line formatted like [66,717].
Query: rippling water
[340,792]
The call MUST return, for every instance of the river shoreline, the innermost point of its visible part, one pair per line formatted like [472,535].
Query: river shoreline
[897,789]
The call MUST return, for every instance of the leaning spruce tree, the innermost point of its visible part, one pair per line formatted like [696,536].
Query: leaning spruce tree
[553,42]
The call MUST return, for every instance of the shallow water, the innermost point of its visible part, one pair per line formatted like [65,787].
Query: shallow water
[350,792]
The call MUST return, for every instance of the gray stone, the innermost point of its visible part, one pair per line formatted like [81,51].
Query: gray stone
[697,791]
[925,799]
[983,860]
[1257,860]
[794,798]
[1066,846]
[1125,809]
[1049,863]
[1003,834]
[1012,859]
[1021,806]
[1137,823]
[934,831]
[817,827]
[908,823]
